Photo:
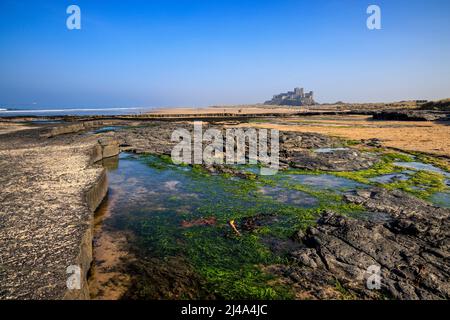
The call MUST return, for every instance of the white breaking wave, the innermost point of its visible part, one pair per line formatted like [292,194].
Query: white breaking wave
[65,110]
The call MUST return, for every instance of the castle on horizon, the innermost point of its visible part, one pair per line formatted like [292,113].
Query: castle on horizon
[298,97]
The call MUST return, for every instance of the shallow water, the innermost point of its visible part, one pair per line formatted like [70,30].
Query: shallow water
[327,150]
[288,196]
[108,129]
[422,166]
[326,182]
[46,121]
[388,178]
[441,199]
[178,212]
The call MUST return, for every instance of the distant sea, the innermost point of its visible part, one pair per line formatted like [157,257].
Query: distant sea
[45,111]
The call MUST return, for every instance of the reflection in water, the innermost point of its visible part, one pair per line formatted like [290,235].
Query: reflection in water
[422,166]
[326,182]
[441,199]
[287,196]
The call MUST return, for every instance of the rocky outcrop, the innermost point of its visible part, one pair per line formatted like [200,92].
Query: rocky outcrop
[106,147]
[75,127]
[412,115]
[155,138]
[296,148]
[443,105]
[340,255]
[410,214]
[336,160]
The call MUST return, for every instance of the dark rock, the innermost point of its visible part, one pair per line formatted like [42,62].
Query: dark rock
[411,115]
[411,250]
[300,140]
[374,142]
[171,279]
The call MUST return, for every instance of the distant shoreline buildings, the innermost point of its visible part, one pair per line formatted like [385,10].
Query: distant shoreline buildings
[298,97]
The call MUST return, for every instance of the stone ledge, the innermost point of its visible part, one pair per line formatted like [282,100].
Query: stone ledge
[50,190]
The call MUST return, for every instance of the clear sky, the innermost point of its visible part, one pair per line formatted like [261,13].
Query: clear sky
[198,53]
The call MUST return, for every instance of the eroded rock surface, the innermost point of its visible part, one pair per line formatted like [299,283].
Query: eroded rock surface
[298,149]
[295,147]
[337,160]
[292,141]
[411,249]
[49,188]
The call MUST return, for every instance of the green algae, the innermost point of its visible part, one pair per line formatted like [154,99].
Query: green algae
[438,162]
[345,293]
[422,184]
[351,142]
[231,265]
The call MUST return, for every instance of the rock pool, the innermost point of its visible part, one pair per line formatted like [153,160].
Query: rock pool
[178,232]
[171,226]
[422,166]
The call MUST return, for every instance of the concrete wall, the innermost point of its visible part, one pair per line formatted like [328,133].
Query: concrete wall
[93,197]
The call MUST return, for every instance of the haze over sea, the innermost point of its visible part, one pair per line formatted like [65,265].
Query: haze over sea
[35,110]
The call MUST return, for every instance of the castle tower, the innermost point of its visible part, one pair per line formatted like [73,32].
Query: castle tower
[299,92]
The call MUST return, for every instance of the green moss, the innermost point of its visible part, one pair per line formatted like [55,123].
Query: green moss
[166,159]
[173,198]
[384,166]
[258,120]
[352,142]
[422,184]
[396,156]
[345,294]
[231,265]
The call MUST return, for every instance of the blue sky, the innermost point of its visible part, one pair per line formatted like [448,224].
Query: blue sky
[198,53]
